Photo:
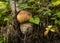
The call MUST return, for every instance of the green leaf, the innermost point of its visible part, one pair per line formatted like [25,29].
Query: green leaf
[53,18]
[35,20]
[3,5]
[1,39]
[59,22]
[49,14]
[6,19]
[56,2]
[24,6]
[53,30]
[56,21]
[58,14]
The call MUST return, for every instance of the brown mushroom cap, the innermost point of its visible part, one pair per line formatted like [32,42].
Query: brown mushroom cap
[23,16]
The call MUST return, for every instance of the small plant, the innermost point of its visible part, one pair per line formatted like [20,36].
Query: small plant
[34,20]
[50,28]
[4,13]
[42,12]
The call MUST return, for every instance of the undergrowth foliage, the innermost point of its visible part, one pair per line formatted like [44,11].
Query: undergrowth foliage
[45,11]
[46,19]
[4,13]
